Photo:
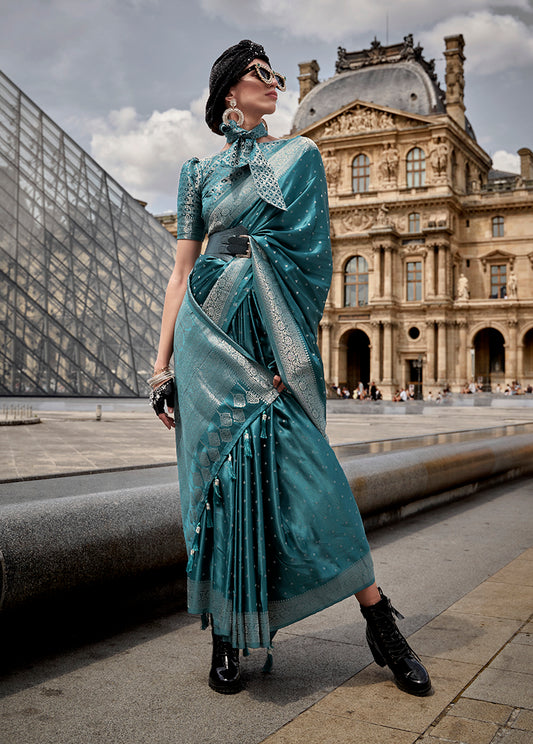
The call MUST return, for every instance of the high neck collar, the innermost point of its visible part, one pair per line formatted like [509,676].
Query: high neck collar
[233,132]
[244,151]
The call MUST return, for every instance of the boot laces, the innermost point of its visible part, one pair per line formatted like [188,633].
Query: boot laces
[390,635]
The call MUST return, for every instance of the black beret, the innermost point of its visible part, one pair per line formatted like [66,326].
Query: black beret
[225,73]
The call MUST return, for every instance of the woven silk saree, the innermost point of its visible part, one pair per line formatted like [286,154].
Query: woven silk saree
[271,526]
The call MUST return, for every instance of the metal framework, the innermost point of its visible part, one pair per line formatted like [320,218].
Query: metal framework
[83,265]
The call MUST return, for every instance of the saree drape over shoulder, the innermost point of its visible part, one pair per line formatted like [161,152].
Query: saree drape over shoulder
[271,525]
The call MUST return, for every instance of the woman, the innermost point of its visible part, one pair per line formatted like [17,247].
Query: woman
[271,526]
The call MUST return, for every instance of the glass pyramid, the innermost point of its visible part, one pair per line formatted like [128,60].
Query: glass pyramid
[83,266]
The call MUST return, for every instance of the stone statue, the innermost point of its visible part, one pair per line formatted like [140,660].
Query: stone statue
[438,157]
[382,217]
[388,164]
[463,293]
[332,167]
[512,286]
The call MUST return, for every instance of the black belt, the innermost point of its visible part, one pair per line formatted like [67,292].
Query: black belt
[231,243]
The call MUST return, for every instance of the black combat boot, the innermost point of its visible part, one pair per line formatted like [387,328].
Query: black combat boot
[390,648]
[225,674]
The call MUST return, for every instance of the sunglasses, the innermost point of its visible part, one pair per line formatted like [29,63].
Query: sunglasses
[267,76]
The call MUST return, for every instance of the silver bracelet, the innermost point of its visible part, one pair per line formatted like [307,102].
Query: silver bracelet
[161,377]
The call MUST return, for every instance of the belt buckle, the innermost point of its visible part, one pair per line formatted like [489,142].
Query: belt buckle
[248,250]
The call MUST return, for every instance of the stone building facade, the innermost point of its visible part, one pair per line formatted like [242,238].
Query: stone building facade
[432,248]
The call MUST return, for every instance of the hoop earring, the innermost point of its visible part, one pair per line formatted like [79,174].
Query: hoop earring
[233,110]
[266,125]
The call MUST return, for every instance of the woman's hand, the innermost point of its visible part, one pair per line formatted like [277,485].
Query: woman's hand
[167,420]
[164,395]
[280,387]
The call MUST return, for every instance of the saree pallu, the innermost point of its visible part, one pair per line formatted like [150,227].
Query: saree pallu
[272,528]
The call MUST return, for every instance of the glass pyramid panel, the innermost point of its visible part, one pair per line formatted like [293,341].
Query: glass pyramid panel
[83,266]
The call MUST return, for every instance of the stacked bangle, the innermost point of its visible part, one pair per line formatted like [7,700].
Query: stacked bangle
[161,376]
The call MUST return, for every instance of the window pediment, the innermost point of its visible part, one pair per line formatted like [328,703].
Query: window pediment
[497,256]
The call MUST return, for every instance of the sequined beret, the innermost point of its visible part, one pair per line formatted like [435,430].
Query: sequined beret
[225,73]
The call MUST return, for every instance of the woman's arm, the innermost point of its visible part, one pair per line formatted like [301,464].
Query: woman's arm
[187,252]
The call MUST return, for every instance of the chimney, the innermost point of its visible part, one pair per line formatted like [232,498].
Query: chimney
[526,163]
[308,77]
[455,79]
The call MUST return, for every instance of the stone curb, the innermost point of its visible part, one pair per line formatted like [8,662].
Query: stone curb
[61,544]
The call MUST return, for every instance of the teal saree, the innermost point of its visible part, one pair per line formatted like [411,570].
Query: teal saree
[272,529]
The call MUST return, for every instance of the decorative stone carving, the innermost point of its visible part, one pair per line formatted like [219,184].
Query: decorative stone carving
[439,219]
[332,167]
[414,250]
[359,119]
[512,286]
[463,291]
[357,221]
[382,217]
[362,220]
[455,82]
[388,164]
[438,157]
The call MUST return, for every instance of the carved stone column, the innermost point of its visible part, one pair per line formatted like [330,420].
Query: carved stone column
[462,369]
[430,352]
[334,362]
[520,363]
[325,350]
[441,287]
[376,276]
[374,352]
[430,273]
[387,352]
[387,271]
[511,355]
[442,365]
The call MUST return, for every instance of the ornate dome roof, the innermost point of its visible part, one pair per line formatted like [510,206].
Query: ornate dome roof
[397,76]
[403,85]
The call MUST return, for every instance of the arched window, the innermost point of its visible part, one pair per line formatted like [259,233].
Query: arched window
[414,222]
[497,227]
[416,168]
[356,282]
[360,174]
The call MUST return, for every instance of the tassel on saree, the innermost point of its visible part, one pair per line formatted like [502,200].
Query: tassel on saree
[247,448]
[216,490]
[263,429]
[209,515]
[231,468]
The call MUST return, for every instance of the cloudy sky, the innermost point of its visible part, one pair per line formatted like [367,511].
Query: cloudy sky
[127,78]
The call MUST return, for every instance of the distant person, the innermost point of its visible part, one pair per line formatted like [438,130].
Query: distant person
[373,391]
[273,532]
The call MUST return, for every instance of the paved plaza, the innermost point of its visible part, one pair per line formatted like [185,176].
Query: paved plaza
[461,574]
[130,436]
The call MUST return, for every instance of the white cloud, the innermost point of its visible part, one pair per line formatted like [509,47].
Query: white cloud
[493,43]
[145,154]
[506,161]
[330,20]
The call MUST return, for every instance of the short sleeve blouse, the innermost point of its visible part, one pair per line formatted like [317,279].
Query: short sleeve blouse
[189,213]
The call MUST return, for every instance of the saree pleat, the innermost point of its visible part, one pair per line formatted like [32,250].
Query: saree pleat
[272,527]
